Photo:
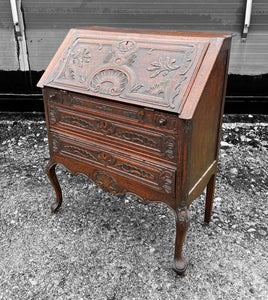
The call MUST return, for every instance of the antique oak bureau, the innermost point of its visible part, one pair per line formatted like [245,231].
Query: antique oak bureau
[139,112]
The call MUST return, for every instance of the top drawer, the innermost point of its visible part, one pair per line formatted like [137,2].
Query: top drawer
[113,110]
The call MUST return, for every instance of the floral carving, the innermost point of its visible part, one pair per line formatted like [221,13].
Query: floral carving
[77,60]
[157,89]
[107,183]
[163,66]
[80,57]
[109,82]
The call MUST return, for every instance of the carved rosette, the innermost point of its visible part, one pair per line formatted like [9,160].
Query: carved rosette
[107,183]
[109,82]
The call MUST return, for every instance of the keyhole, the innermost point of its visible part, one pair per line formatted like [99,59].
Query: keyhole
[126,43]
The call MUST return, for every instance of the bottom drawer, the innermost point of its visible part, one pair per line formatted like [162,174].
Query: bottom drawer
[152,174]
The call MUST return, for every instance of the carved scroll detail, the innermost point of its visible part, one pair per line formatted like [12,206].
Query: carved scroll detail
[137,171]
[79,151]
[169,146]
[178,90]
[166,181]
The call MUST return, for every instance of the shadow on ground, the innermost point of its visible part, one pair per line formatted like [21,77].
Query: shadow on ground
[100,246]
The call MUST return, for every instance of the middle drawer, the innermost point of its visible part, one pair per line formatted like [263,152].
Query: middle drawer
[122,135]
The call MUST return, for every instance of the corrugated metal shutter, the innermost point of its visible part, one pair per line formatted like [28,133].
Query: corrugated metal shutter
[47,23]
[8,49]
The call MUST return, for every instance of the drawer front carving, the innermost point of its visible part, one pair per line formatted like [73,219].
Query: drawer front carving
[107,183]
[160,144]
[140,116]
[158,177]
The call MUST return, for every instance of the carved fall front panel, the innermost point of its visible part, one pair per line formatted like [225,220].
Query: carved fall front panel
[155,74]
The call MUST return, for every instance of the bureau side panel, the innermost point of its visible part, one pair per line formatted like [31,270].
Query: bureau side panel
[206,125]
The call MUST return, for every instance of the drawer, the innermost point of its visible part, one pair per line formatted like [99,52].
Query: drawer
[160,177]
[119,134]
[113,110]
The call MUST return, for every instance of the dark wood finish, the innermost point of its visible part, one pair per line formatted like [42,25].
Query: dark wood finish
[139,112]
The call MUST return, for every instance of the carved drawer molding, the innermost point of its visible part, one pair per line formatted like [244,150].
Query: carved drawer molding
[160,144]
[141,116]
[157,176]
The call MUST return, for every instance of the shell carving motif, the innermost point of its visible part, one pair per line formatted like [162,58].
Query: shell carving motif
[109,82]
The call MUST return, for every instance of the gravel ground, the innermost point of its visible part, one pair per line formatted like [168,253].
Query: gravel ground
[100,246]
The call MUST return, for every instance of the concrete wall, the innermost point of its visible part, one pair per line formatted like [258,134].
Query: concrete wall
[47,23]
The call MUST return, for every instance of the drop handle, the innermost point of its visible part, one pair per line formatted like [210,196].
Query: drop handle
[163,122]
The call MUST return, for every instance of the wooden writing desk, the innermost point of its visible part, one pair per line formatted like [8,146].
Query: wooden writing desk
[139,112]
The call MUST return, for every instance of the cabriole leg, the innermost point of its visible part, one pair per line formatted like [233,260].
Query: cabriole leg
[182,224]
[209,198]
[50,170]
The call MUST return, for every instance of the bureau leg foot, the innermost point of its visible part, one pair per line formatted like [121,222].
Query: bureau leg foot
[209,198]
[182,224]
[50,170]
